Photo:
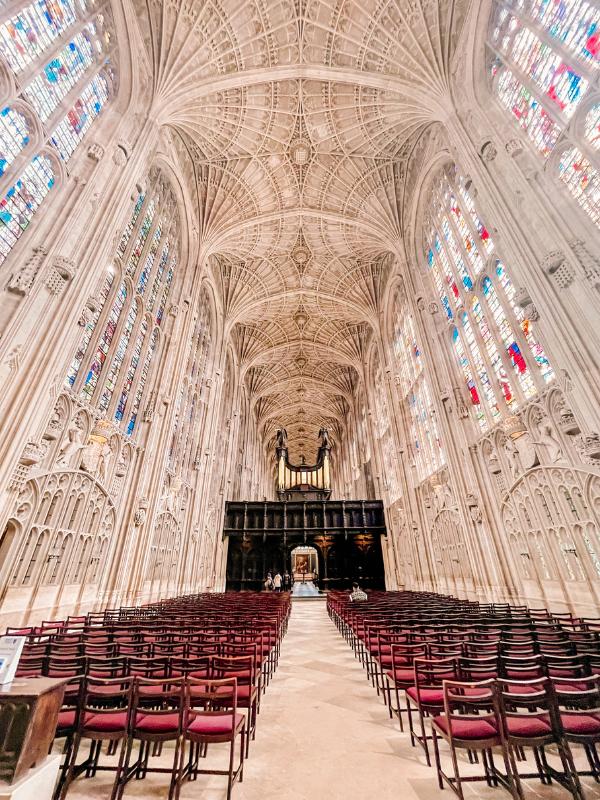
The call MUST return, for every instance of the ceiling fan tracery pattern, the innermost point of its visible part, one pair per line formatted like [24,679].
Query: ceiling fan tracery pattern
[296,120]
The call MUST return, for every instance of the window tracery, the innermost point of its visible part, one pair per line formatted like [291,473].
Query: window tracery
[187,420]
[502,362]
[415,391]
[61,54]
[118,346]
[544,62]
[383,432]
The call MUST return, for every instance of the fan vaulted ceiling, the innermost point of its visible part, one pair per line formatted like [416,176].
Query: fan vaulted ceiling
[298,117]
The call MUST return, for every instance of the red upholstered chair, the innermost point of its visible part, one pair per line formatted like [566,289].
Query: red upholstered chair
[381,656]
[523,669]
[243,669]
[105,715]
[426,695]
[207,722]
[531,719]
[471,721]
[478,669]
[402,674]
[153,725]
[67,725]
[247,647]
[579,707]
[32,663]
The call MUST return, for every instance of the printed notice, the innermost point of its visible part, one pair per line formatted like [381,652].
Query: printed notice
[11,648]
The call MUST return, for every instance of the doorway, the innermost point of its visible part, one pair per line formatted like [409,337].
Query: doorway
[305,564]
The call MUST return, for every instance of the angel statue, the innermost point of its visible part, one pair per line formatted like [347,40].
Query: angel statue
[282,438]
[324,437]
[71,449]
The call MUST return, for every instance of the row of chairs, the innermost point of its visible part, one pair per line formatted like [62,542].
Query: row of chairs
[188,712]
[189,670]
[509,676]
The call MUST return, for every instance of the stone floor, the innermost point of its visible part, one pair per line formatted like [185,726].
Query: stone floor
[323,734]
[307,589]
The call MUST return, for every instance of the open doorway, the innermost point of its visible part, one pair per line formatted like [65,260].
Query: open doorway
[305,570]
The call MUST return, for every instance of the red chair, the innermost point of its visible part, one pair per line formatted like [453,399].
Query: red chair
[243,669]
[579,707]
[153,725]
[530,719]
[426,695]
[208,723]
[105,715]
[471,721]
[67,725]
[402,674]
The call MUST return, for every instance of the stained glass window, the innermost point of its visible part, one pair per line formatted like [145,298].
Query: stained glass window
[164,258]
[60,75]
[141,239]
[414,388]
[14,136]
[53,47]
[592,127]
[582,180]
[135,359]
[546,56]
[78,119]
[496,349]
[21,201]
[31,32]
[126,342]
[119,357]
[142,383]
[145,273]
[88,331]
[537,351]
[131,225]
[104,343]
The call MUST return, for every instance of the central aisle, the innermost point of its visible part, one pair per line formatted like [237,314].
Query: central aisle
[322,732]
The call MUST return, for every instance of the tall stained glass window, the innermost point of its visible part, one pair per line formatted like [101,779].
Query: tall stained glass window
[501,360]
[61,54]
[113,362]
[188,418]
[544,61]
[415,391]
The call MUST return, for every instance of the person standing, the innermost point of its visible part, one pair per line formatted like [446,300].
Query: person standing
[277,582]
[268,583]
[287,581]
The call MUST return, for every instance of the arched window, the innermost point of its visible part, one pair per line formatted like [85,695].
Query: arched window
[114,358]
[187,419]
[501,360]
[544,60]
[415,391]
[61,55]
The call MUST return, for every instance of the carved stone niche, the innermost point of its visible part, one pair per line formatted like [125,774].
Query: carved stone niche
[590,263]
[121,154]
[494,463]
[54,427]
[488,152]
[555,265]
[21,281]
[60,273]
[514,147]
[589,447]
[32,454]
[95,152]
